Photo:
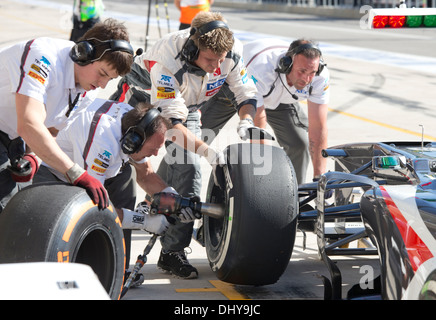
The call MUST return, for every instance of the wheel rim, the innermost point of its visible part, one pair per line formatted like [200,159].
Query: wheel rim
[97,249]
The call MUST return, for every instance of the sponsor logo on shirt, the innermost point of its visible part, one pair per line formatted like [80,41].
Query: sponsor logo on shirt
[38,69]
[165,87]
[254,79]
[165,93]
[41,67]
[214,87]
[45,61]
[244,75]
[165,81]
[98,169]
[105,156]
[101,163]
[36,76]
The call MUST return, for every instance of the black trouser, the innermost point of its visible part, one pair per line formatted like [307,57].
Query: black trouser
[9,150]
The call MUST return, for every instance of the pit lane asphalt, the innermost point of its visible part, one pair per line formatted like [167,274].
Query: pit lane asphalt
[365,95]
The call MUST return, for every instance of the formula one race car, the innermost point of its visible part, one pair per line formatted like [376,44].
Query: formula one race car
[397,208]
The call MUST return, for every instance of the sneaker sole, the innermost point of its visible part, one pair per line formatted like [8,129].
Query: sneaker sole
[193,275]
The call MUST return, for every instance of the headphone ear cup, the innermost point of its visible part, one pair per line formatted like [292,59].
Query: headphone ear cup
[135,136]
[320,67]
[82,53]
[132,141]
[190,51]
[285,65]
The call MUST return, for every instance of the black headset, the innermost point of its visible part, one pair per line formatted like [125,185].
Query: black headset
[83,52]
[190,51]
[134,138]
[285,63]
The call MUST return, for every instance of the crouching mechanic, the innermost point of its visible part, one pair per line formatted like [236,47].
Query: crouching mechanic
[179,74]
[101,136]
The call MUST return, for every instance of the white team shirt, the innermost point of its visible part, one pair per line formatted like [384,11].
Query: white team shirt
[178,92]
[91,138]
[43,70]
[262,58]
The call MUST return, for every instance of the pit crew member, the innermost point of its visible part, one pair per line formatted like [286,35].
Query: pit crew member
[102,136]
[179,74]
[284,74]
[41,81]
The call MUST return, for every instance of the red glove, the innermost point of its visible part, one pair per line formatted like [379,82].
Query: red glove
[25,169]
[79,177]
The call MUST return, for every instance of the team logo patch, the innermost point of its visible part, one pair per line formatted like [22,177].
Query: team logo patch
[165,93]
[101,163]
[38,69]
[214,87]
[98,169]
[165,81]
[45,61]
[105,156]
[37,77]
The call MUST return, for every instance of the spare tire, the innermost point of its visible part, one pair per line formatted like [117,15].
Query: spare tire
[57,222]
[253,243]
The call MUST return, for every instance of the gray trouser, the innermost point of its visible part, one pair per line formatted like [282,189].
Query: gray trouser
[181,170]
[288,121]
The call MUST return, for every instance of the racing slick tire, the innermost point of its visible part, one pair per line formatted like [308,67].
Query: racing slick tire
[253,243]
[57,222]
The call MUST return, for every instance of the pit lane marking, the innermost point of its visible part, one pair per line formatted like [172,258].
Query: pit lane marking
[224,288]
[419,134]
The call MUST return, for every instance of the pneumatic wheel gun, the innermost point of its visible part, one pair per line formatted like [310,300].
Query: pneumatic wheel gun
[169,203]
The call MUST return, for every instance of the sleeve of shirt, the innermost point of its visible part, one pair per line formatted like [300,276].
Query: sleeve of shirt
[36,68]
[239,81]
[263,77]
[321,88]
[165,93]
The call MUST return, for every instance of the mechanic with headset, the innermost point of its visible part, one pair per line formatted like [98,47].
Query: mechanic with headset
[179,74]
[284,74]
[41,81]
[102,136]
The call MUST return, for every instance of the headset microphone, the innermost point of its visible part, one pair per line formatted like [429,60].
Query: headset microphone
[138,52]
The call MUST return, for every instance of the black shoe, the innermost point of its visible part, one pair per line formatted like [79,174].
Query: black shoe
[176,263]
[139,279]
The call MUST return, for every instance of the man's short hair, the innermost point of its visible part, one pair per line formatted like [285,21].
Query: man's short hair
[134,116]
[310,52]
[218,40]
[110,29]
